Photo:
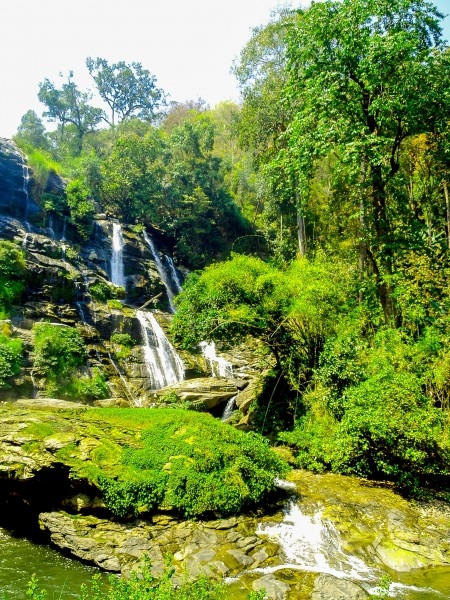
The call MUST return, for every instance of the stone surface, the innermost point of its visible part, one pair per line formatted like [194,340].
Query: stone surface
[15,192]
[327,587]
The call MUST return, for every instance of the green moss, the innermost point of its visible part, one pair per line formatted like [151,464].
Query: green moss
[38,430]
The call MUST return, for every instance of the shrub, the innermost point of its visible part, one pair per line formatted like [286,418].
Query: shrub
[12,275]
[10,359]
[58,349]
[184,460]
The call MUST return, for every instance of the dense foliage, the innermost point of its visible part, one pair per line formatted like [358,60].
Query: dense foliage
[184,460]
[11,358]
[12,276]
[335,172]
[60,354]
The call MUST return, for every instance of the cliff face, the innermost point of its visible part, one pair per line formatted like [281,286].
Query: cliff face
[15,199]
[70,283]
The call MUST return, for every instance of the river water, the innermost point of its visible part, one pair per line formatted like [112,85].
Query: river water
[20,558]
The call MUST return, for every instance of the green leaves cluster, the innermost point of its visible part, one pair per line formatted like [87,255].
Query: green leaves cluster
[10,359]
[369,413]
[12,275]
[290,311]
[59,358]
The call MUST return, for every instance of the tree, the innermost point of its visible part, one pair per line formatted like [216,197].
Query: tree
[262,75]
[68,105]
[32,131]
[128,89]
[363,78]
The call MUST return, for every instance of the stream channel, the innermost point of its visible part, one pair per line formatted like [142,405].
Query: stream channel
[20,558]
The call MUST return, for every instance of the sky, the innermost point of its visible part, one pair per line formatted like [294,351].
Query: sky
[189,45]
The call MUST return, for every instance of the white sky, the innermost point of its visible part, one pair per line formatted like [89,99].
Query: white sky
[189,45]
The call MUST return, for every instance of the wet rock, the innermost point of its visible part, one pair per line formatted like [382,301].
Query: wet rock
[205,392]
[328,587]
[275,589]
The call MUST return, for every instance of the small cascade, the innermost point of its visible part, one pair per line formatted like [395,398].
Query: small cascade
[117,274]
[125,385]
[82,298]
[50,228]
[310,543]
[26,183]
[229,409]
[163,364]
[219,366]
[175,277]
[25,241]
[168,275]
[64,231]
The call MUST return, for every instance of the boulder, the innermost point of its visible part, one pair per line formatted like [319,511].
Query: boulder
[205,392]
[328,587]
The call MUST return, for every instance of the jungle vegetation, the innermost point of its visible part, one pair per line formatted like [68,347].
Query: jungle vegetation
[316,215]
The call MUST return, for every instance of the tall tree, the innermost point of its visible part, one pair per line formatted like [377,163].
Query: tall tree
[128,89]
[364,77]
[69,105]
[32,131]
[262,75]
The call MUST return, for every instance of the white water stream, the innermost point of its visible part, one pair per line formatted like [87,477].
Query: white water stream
[117,273]
[309,543]
[163,364]
[169,276]
[220,367]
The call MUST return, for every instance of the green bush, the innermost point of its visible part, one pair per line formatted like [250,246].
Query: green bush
[184,460]
[368,413]
[12,275]
[102,291]
[58,349]
[10,359]
[79,388]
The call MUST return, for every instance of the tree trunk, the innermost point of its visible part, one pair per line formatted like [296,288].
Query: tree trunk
[301,232]
[383,252]
[447,207]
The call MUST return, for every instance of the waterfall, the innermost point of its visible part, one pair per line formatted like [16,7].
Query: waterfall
[26,182]
[125,385]
[63,235]
[310,543]
[117,276]
[219,366]
[174,275]
[229,409]
[169,276]
[50,228]
[163,364]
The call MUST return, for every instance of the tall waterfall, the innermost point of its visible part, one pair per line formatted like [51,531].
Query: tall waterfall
[163,364]
[117,276]
[169,275]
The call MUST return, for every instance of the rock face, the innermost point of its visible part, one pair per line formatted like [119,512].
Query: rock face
[15,196]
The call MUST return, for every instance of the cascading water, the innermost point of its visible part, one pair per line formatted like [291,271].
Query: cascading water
[219,366]
[26,183]
[117,274]
[311,544]
[169,275]
[174,274]
[163,364]
[229,409]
